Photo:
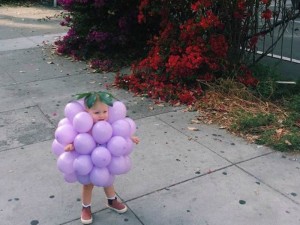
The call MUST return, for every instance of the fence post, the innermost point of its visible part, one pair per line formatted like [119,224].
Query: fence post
[296,4]
[54,3]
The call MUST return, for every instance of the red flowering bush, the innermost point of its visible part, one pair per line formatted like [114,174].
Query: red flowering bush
[198,41]
[189,41]
[266,14]
[101,65]
[102,30]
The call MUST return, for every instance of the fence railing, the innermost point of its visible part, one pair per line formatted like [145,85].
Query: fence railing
[283,42]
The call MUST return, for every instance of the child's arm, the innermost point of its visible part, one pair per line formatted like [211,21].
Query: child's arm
[69,147]
[135,139]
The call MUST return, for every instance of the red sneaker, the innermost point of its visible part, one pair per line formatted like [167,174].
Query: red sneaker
[117,206]
[86,215]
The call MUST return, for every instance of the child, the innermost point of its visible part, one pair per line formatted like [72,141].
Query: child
[99,112]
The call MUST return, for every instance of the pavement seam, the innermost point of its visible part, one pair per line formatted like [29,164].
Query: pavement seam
[33,106]
[198,142]
[28,82]
[274,189]
[181,182]
[130,209]
[52,123]
[255,157]
[52,78]
[236,164]
[101,210]
[47,118]
[15,82]
[136,216]
[26,107]
[22,146]
[104,209]
[194,140]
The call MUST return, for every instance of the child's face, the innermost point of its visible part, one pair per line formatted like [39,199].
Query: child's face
[98,112]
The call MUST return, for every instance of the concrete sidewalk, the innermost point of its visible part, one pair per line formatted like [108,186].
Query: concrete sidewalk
[179,176]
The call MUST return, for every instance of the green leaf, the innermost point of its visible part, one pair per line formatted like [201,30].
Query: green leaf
[106,98]
[90,100]
[82,95]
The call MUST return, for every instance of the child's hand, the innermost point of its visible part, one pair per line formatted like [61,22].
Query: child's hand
[135,139]
[69,147]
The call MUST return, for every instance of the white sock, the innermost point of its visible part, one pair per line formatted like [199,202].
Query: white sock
[85,206]
[112,198]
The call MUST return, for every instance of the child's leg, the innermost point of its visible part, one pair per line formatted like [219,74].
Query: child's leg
[112,200]
[86,214]
[87,194]
[110,192]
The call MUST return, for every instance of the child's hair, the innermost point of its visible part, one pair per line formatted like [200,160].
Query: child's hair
[90,98]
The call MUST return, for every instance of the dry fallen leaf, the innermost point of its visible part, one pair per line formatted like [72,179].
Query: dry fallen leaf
[279,133]
[209,122]
[195,121]
[287,142]
[232,102]
[193,128]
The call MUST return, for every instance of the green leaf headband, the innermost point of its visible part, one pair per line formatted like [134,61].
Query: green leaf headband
[90,98]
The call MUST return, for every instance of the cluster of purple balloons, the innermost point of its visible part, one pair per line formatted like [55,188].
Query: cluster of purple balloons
[101,149]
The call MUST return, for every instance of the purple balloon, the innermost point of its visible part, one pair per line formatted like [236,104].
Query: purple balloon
[100,176]
[117,145]
[84,179]
[84,143]
[102,132]
[121,128]
[118,165]
[82,122]
[117,112]
[128,163]
[57,148]
[71,109]
[104,145]
[132,125]
[65,162]
[70,178]
[101,157]
[83,164]
[129,146]
[65,134]
[63,122]
[110,181]
[81,102]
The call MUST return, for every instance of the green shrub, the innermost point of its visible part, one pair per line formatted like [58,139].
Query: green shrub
[249,122]
[288,142]
[294,103]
